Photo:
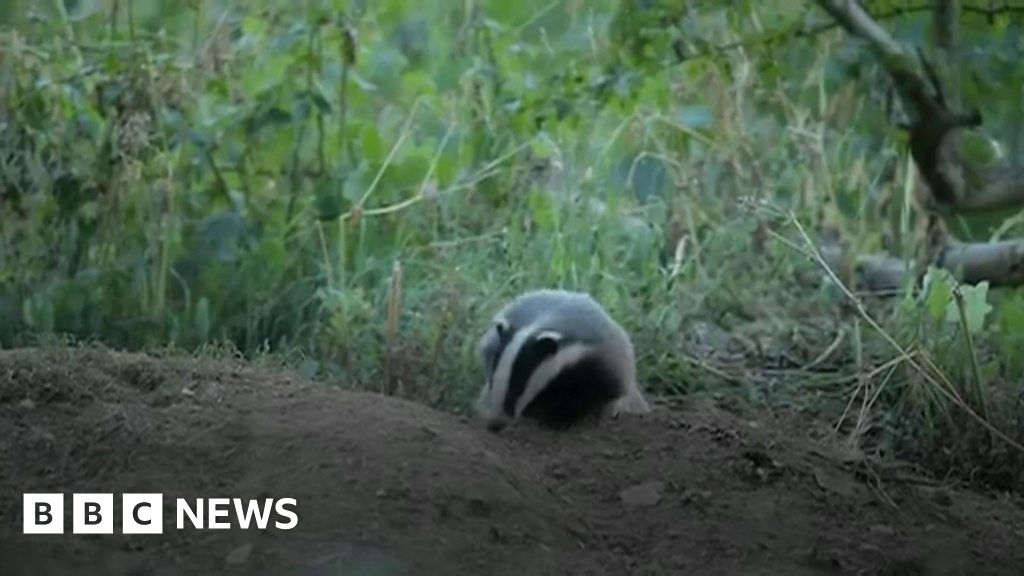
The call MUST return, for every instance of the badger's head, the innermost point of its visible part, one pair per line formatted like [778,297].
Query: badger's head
[519,362]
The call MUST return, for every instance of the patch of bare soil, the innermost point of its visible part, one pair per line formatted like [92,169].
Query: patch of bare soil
[389,487]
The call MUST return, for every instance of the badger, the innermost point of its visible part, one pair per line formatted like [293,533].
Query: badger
[556,357]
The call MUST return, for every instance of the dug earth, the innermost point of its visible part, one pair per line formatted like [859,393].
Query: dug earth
[386,487]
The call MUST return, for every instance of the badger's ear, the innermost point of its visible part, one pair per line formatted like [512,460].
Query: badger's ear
[501,326]
[548,341]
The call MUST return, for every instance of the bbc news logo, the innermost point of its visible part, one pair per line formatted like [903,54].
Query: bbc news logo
[143,513]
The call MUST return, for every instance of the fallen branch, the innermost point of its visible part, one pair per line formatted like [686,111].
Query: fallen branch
[998,263]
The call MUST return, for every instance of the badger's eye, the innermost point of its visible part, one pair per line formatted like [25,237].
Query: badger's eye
[547,342]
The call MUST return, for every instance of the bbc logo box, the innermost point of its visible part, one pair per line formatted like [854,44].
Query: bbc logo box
[92,513]
[44,513]
[95,513]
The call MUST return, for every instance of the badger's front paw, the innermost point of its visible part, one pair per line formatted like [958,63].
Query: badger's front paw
[631,404]
[615,409]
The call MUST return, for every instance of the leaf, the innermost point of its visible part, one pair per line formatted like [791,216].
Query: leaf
[940,292]
[981,149]
[366,84]
[317,97]
[272,253]
[254,28]
[373,147]
[309,368]
[848,203]
[203,319]
[447,169]
[976,307]
[1011,318]
[542,148]
[270,116]
[649,178]
[411,169]
[542,210]
[696,117]
[329,198]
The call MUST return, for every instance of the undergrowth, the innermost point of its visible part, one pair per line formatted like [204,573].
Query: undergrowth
[356,187]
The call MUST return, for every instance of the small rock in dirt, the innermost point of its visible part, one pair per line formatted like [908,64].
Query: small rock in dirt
[761,467]
[760,459]
[478,507]
[869,548]
[559,472]
[27,404]
[45,435]
[942,498]
[823,558]
[883,529]
[835,482]
[133,546]
[723,436]
[646,494]
[239,555]
[693,496]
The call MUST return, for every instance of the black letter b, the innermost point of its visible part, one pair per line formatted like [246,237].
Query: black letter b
[92,514]
[43,511]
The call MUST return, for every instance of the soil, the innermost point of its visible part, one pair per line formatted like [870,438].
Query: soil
[385,486]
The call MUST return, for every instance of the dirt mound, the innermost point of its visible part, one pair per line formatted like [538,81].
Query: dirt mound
[386,486]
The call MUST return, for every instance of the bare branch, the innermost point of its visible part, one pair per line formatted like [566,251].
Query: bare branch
[953,183]
[946,30]
[995,188]
[852,16]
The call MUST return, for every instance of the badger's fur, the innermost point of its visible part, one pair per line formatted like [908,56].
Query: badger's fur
[558,357]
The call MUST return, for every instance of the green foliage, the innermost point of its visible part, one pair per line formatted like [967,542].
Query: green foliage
[210,174]
[942,304]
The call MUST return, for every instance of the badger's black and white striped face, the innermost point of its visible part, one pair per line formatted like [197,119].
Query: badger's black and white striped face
[554,356]
[520,356]
[512,356]
[521,363]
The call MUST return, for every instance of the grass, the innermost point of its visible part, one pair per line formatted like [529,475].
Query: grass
[357,188]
